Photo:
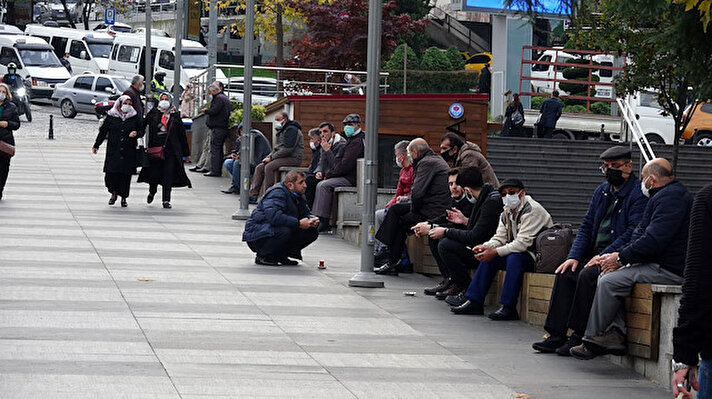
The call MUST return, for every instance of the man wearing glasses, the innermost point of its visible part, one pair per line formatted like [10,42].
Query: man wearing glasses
[615,210]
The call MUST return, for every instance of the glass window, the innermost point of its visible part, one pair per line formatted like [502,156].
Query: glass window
[195,60]
[60,45]
[542,68]
[76,48]
[100,50]
[479,59]
[166,60]
[8,55]
[43,58]
[128,54]
[84,82]
[560,68]
[121,84]
[102,84]
[606,73]
[706,108]
[648,99]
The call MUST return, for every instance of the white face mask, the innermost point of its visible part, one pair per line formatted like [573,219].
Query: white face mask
[511,201]
[125,108]
[312,146]
[470,197]
[645,190]
[278,125]
[2,96]
[399,163]
[164,105]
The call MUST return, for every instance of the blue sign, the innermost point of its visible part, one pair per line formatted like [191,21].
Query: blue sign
[456,110]
[550,7]
[110,16]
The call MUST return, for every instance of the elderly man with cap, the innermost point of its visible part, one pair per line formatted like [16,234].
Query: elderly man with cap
[343,168]
[614,211]
[511,249]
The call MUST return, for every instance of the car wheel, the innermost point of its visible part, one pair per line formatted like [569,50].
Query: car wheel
[703,139]
[561,136]
[67,109]
[654,138]
[28,112]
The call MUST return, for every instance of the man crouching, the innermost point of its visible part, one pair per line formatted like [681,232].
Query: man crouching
[282,224]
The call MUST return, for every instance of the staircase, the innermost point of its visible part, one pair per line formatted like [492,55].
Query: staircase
[562,174]
[446,30]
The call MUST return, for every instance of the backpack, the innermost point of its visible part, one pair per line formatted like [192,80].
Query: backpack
[517,118]
[552,247]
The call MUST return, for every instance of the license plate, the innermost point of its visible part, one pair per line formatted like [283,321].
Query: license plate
[42,84]
[605,93]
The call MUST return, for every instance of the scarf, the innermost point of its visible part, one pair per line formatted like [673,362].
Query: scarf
[115,111]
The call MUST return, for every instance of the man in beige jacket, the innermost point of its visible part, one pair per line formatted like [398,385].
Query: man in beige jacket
[511,249]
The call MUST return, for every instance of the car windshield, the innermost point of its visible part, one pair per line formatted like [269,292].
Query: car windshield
[122,84]
[101,50]
[123,29]
[41,58]
[194,60]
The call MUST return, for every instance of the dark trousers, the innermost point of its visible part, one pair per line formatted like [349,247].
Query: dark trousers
[118,183]
[396,226]
[515,264]
[4,171]
[571,300]
[217,140]
[433,244]
[168,167]
[544,132]
[458,260]
[311,189]
[285,242]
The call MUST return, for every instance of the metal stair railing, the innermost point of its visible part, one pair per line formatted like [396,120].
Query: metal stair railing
[459,30]
[634,127]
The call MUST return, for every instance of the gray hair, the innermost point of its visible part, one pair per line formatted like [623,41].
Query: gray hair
[315,132]
[419,145]
[137,79]
[285,116]
[401,147]
[213,88]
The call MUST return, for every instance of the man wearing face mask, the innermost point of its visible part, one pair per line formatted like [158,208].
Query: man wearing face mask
[342,173]
[218,121]
[614,211]
[330,144]
[462,154]
[11,78]
[511,249]
[655,255]
[134,92]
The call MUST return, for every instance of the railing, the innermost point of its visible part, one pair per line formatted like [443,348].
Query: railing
[634,127]
[271,83]
[459,30]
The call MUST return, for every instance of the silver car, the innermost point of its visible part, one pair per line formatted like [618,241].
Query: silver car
[80,93]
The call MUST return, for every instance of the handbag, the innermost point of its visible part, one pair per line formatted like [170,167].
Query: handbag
[7,149]
[158,153]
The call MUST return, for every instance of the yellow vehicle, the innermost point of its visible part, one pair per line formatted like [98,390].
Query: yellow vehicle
[699,130]
[478,61]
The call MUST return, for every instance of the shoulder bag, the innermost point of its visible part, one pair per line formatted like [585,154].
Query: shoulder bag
[7,149]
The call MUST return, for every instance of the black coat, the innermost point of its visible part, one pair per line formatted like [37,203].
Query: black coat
[550,112]
[430,194]
[9,115]
[176,148]
[345,162]
[219,112]
[135,97]
[483,220]
[120,148]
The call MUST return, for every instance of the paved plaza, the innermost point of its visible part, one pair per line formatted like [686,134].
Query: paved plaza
[99,301]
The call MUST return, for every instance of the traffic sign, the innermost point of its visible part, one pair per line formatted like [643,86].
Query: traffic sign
[110,16]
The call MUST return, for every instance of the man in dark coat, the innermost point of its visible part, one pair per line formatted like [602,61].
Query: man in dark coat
[550,113]
[218,122]
[343,170]
[614,211]
[134,92]
[429,197]
[9,121]
[315,147]
[281,226]
[655,255]
[485,81]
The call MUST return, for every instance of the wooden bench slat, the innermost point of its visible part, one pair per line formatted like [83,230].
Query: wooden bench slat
[639,336]
[637,305]
[638,320]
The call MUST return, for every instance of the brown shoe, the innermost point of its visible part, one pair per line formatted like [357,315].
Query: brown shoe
[454,289]
[582,352]
[613,342]
[445,284]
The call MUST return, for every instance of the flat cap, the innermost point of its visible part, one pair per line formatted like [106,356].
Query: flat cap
[617,152]
[352,118]
[511,183]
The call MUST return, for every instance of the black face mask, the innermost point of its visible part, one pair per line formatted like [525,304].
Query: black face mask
[615,177]
[447,156]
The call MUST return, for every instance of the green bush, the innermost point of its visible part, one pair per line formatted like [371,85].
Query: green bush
[456,61]
[577,109]
[258,114]
[537,102]
[435,60]
[600,107]
[579,90]
[431,82]
[396,60]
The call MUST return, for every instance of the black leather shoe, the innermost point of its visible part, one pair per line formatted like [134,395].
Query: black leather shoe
[266,261]
[504,313]
[231,190]
[442,286]
[149,199]
[550,344]
[565,349]
[167,205]
[388,269]
[112,200]
[124,204]
[288,262]
[194,169]
[451,290]
[211,174]
[469,307]
[456,300]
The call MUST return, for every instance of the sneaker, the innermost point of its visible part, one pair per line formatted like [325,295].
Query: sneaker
[582,352]
[610,343]
[456,300]
[565,349]
[550,344]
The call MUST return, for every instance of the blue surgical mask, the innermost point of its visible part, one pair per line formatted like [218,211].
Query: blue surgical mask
[349,130]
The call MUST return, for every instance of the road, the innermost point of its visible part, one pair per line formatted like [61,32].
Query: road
[98,301]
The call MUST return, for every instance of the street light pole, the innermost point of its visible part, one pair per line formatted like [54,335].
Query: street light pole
[177,64]
[366,277]
[243,213]
[212,39]
[148,53]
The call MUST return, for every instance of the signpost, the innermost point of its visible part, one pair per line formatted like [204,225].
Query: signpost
[110,16]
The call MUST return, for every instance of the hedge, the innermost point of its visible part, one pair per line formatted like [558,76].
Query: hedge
[431,82]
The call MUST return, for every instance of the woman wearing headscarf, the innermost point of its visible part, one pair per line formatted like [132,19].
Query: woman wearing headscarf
[166,130]
[120,129]
[9,121]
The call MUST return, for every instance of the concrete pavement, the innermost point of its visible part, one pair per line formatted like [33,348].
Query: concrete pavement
[98,301]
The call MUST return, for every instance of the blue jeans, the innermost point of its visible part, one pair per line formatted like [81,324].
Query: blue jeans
[233,167]
[705,380]
[515,264]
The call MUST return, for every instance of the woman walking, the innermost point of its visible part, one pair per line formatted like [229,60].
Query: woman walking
[166,135]
[9,121]
[120,129]
[514,119]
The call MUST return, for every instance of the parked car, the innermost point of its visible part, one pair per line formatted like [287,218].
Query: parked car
[478,61]
[264,90]
[80,93]
[154,32]
[113,29]
[699,129]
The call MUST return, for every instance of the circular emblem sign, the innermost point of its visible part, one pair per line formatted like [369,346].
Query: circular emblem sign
[456,110]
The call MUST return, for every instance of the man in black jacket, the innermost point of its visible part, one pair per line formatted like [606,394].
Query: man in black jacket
[692,338]
[455,247]
[655,255]
[429,197]
[550,114]
[218,122]
[134,92]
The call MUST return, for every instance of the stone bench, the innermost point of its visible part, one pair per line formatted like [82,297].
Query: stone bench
[348,210]
[283,170]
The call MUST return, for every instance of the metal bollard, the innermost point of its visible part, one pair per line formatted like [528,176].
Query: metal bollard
[51,127]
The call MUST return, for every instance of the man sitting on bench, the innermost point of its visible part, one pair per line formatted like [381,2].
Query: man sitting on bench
[655,255]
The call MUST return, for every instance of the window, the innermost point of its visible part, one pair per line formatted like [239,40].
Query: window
[45,38]
[60,45]
[43,58]
[102,84]
[128,54]
[166,60]
[542,68]
[648,99]
[560,68]
[606,73]
[84,82]
[706,108]
[8,55]
[76,48]
[114,52]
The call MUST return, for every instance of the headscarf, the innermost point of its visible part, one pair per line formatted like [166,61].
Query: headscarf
[165,114]
[115,111]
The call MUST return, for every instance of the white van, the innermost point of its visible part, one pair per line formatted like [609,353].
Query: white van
[88,51]
[36,63]
[555,72]
[127,58]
